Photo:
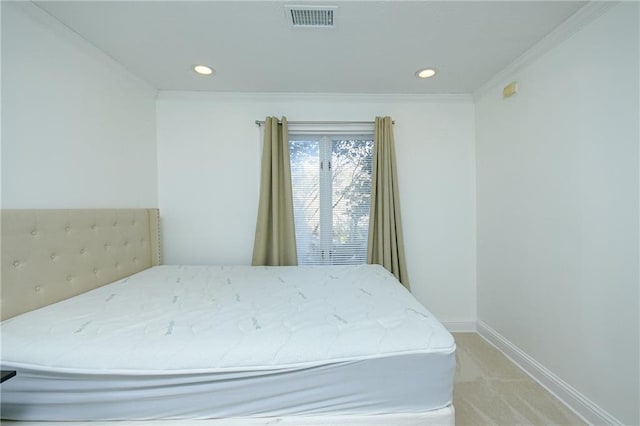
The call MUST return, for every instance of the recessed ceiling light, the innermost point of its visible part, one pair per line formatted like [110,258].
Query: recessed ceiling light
[203,69]
[426,73]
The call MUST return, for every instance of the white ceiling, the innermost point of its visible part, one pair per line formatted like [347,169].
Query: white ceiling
[375,47]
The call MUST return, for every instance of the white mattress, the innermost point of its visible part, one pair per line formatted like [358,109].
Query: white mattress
[220,341]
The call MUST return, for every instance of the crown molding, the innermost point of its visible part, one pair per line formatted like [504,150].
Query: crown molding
[330,97]
[73,38]
[584,16]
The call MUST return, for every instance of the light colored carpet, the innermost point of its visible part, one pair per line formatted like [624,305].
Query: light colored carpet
[491,390]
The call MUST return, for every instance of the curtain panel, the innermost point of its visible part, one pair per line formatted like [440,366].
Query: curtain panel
[275,240]
[386,243]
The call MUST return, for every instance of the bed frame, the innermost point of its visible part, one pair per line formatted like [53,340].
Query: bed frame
[51,255]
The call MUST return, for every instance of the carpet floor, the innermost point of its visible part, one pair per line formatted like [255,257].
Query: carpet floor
[491,390]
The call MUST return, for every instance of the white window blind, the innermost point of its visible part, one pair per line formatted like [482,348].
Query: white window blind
[331,180]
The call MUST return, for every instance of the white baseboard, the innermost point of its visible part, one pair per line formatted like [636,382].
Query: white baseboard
[577,402]
[460,326]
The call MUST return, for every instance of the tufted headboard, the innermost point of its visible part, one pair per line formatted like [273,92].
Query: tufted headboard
[51,255]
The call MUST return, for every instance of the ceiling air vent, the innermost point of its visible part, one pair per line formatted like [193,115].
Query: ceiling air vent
[311,16]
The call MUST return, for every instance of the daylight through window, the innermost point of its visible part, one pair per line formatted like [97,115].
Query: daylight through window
[331,180]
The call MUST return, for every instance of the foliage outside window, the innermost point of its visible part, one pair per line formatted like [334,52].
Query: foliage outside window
[331,180]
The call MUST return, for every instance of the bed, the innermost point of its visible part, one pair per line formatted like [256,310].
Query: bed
[98,330]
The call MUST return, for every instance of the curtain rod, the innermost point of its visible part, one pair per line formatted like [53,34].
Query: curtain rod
[261,122]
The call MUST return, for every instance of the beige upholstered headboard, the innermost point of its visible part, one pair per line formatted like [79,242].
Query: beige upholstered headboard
[51,255]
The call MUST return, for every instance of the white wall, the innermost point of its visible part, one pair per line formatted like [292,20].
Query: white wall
[77,129]
[557,211]
[208,176]
[557,174]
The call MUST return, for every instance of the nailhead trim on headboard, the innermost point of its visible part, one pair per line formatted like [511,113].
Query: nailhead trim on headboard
[154,229]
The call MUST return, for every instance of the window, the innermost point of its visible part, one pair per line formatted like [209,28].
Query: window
[331,180]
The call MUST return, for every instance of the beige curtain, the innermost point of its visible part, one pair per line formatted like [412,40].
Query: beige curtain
[275,240]
[386,244]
